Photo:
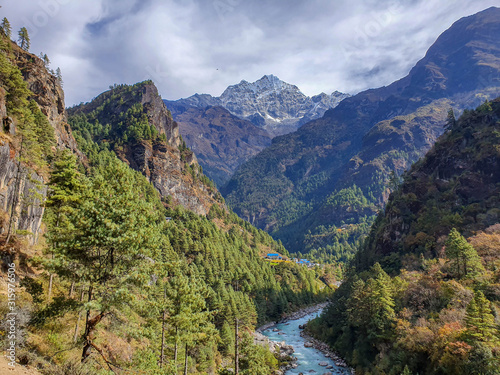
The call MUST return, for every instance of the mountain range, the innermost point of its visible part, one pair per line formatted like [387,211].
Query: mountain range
[269,103]
[244,120]
[122,255]
[335,171]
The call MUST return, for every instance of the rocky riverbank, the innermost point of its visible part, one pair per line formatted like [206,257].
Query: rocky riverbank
[325,349]
[285,352]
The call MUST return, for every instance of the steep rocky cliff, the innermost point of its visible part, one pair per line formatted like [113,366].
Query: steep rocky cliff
[16,180]
[22,182]
[137,126]
[49,95]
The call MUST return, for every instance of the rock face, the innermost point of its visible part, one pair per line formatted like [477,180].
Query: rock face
[15,179]
[18,181]
[365,137]
[220,140]
[283,351]
[49,95]
[269,103]
[171,169]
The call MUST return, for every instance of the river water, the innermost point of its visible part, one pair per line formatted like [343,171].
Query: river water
[308,358]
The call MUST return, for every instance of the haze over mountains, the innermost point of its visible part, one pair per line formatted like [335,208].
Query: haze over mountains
[300,188]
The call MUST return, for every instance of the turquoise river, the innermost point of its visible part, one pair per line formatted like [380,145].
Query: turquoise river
[308,358]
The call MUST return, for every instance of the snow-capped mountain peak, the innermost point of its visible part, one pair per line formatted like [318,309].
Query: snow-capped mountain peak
[270,103]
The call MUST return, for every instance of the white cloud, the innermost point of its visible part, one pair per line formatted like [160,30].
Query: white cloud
[189,46]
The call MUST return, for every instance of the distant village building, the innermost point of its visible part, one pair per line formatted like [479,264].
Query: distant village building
[274,256]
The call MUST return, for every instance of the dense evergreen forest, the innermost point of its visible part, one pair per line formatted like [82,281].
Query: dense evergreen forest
[422,294]
[123,279]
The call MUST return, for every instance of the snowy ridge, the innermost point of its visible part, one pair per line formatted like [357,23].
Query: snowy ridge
[269,103]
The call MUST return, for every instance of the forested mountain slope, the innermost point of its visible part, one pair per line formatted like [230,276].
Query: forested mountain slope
[291,187]
[439,239]
[220,140]
[456,185]
[134,122]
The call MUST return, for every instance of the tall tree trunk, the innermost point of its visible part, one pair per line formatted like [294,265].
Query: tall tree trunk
[175,348]
[75,336]
[71,289]
[236,348]
[87,346]
[51,279]
[162,338]
[89,329]
[186,361]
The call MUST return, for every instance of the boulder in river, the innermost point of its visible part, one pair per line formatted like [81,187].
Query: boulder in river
[323,363]
[308,344]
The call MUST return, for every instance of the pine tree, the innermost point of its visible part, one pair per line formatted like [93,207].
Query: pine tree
[59,76]
[394,181]
[479,319]
[45,59]
[66,186]
[6,28]
[463,256]
[227,339]
[187,315]
[450,119]
[24,39]
[370,307]
[108,239]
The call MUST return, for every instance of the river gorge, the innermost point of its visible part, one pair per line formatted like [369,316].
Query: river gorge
[310,360]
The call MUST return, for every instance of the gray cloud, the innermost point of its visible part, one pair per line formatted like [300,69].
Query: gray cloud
[189,46]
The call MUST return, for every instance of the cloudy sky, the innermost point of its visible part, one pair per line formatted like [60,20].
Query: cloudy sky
[189,46]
